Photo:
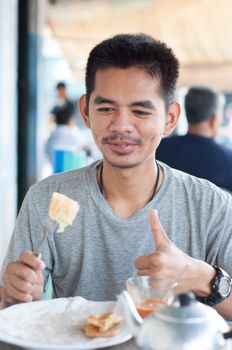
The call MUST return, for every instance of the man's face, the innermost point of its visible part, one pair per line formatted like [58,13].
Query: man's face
[61,93]
[127,116]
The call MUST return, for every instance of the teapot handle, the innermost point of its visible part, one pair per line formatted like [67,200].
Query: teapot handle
[186,299]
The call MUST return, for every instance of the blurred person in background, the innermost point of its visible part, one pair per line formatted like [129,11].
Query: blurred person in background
[66,136]
[59,116]
[198,153]
[62,99]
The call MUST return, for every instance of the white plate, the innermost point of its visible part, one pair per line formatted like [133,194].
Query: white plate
[56,325]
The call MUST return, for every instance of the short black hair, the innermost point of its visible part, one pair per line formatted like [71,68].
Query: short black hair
[201,102]
[141,50]
[60,84]
[63,113]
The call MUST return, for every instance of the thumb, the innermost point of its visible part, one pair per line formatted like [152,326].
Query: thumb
[159,235]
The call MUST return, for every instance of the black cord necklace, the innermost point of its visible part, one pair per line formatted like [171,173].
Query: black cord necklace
[154,189]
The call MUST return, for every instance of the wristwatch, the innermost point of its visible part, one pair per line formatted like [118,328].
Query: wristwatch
[221,288]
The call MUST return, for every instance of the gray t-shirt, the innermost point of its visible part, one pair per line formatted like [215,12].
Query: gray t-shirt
[94,257]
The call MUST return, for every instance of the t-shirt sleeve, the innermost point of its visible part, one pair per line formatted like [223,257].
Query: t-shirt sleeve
[220,243]
[27,233]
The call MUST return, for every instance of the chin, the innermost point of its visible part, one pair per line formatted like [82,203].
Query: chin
[123,164]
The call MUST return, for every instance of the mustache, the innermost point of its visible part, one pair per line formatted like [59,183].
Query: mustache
[121,137]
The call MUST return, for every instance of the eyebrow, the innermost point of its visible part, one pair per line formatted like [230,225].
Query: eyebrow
[143,103]
[100,99]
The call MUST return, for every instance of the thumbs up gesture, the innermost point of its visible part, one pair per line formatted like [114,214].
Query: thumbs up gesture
[167,262]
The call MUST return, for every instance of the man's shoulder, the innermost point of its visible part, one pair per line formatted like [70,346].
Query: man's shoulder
[65,182]
[222,156]
[173,139]
[194,186]
[167,144]
[224,149]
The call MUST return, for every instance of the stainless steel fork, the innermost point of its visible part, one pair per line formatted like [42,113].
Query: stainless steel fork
[49,227]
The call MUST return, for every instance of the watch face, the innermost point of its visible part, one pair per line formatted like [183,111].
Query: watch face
[224,287]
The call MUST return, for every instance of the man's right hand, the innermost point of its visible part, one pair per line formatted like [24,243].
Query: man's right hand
[23,280]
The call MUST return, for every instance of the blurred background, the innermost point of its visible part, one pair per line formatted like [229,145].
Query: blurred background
[43,42]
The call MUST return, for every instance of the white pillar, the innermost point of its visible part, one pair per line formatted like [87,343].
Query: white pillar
[8,108]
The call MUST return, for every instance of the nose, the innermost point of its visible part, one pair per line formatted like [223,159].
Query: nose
[122,122]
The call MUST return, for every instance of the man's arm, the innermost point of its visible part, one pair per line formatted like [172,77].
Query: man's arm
[225,308]
[170,262]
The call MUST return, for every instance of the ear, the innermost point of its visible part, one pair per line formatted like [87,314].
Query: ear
[214,123]
[172,118]
[82,104]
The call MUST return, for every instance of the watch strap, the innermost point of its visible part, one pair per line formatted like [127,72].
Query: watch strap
[216,297]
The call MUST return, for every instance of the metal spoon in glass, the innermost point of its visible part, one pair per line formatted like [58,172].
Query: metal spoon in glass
[174,284]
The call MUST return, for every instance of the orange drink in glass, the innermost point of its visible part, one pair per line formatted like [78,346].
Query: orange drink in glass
[149,293]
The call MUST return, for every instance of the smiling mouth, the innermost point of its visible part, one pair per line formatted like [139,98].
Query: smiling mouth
[121,139]
[122,148]
[122,144]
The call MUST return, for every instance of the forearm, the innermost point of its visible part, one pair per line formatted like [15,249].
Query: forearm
[203,288]
[200,283]
[225,308]
[201,276]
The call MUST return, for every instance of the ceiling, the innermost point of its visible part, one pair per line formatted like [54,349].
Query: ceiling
[199,31]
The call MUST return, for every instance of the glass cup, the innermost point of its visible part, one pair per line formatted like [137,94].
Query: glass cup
[149,293]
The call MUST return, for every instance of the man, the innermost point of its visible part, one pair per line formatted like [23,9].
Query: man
[129,105]
[62,99]
[67,136]
[197,152]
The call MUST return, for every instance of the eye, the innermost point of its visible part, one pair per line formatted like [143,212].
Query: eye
[141,113]
[105,109]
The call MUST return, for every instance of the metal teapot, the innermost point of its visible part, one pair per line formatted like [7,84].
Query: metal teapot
[185,325]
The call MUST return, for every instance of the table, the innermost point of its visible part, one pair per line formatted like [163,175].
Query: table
[129,345]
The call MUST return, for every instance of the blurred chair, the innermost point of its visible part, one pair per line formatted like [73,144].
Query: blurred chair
[48,289]
[67,160]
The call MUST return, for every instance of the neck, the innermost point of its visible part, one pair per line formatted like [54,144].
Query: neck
[201,130]
[128,190]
